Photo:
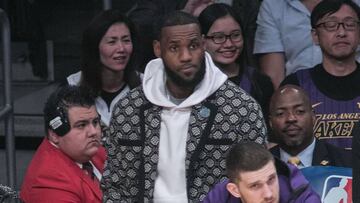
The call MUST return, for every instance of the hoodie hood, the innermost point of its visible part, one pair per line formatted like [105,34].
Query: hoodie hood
[155,80]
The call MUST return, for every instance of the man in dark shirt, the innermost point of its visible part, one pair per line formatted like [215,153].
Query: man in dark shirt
[333,85]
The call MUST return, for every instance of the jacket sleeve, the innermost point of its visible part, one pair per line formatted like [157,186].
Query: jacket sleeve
[52,187]
[109,184]
[312,197]
[113,185]
[301,191]
[305,194]
[55,195]
[252,124]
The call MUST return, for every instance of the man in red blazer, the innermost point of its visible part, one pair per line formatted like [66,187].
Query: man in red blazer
[57,172]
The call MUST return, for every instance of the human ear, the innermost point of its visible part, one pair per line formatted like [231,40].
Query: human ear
[315,36]
[270,122]
[157,48]
[203,41]
[313,117]
[233,189]
[53,137]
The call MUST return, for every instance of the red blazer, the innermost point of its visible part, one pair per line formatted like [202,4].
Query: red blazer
[53,177]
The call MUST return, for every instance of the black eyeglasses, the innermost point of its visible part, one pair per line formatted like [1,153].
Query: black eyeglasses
[331,26]
[220,38]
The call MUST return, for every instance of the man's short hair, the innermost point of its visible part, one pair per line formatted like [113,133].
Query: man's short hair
[246,157]
[328,7]
[57,106]
[172,19]
[278,92]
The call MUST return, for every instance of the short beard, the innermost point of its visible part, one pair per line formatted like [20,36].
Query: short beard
[293,143]
[179,81]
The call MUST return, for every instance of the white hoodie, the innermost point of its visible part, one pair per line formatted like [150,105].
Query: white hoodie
[170,184]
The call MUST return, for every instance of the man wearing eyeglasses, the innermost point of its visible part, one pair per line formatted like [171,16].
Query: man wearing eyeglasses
[283,42]
[333,85]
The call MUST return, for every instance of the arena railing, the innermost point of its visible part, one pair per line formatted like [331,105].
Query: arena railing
[6,111]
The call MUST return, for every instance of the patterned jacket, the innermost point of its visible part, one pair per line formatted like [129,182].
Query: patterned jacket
[226,117]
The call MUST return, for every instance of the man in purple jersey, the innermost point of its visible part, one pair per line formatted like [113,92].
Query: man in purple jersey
[333,85]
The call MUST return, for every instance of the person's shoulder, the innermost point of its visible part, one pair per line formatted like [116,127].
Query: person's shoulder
[304,75]
[133,96]
[50,163]
[357,71]
[299,190]
[340,152]
[275,151]
[131,103]
[231,97]
[219,194]
[46,155]
[59,180]
[51,173]
[232,91]
[337,156]
[232,87]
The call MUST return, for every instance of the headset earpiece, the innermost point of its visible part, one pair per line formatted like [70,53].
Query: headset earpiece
[60,124]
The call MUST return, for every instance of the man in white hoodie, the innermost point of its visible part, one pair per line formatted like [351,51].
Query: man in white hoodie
[169,137]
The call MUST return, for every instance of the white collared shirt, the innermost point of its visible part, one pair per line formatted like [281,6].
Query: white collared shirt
[95,170]
[305,156]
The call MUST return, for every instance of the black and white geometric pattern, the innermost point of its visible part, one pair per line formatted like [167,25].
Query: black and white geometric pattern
[228,116]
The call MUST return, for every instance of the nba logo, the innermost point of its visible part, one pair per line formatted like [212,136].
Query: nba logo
[337,189]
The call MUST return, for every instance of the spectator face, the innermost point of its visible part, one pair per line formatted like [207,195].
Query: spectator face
[181,48]
[83,140]
[116,47]
[291,119]
[338,42]
[260,186]
[224,41]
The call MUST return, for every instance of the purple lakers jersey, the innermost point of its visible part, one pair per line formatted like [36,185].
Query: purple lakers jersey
[335,119]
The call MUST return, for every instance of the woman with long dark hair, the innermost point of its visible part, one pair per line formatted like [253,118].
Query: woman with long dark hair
[225,43]
[108,60]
